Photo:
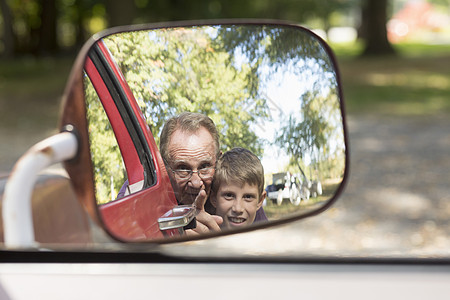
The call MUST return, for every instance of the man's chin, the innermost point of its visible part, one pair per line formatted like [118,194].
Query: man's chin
[188,199]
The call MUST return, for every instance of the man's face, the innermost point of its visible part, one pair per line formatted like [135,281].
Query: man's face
[191,151]
[236,204]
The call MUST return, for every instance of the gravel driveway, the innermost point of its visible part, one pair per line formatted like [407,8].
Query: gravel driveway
[396,203]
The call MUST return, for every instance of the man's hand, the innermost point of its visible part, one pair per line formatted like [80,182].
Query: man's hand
[205,221]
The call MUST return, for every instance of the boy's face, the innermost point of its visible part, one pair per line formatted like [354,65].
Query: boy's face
[236,204]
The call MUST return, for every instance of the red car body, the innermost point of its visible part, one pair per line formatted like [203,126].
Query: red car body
[137,213]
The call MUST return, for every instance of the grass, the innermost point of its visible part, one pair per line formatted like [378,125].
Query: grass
[414,82]
[30,92]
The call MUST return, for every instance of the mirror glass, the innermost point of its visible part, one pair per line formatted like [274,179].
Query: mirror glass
[271,89]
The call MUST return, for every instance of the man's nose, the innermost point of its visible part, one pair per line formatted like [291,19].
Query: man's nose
[195,180]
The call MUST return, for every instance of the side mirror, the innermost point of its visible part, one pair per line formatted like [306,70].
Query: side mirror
[273,88]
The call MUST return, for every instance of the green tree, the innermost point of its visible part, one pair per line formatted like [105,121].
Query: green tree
[374,18]
[9,36]
[301,11]
[311,134]
[120,12]
[109,171]
[306,134]
[48,40]
[177,70]
[279,47]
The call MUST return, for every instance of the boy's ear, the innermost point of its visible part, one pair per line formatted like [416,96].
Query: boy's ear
[261,199]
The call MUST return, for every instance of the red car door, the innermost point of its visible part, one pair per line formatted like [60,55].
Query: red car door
[149,192]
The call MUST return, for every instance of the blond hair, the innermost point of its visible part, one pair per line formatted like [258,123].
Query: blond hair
[240,166]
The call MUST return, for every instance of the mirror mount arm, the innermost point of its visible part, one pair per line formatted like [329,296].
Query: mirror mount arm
[17,212]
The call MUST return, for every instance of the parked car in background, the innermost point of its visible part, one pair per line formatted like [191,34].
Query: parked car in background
[292,187]
[316,188]
[287,186]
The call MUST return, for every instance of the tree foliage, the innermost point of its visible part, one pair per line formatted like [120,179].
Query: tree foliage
[226,72]
[316,133]
[306,132]
[279,47]
[109,171]
[177,70]
[40,26]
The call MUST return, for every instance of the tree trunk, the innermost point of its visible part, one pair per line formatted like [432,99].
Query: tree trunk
[9,38]
[48,41]
[120,12]
[374,26]
[81,34]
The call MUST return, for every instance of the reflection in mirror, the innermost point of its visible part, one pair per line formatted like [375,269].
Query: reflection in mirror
[109,170]
[270,89]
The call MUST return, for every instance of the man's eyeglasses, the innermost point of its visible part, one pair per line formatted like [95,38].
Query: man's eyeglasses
[203,173]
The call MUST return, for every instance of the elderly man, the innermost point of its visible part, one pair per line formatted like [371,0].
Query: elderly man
[189,146]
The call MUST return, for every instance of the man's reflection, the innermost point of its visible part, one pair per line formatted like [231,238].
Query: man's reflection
[189,146]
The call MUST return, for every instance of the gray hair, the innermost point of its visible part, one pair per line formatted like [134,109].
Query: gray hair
[188,122]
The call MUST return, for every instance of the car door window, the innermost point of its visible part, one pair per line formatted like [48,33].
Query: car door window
[109,168]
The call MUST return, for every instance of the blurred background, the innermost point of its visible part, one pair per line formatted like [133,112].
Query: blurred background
[394,57]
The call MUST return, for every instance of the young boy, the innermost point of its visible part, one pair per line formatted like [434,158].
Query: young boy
[238,188]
